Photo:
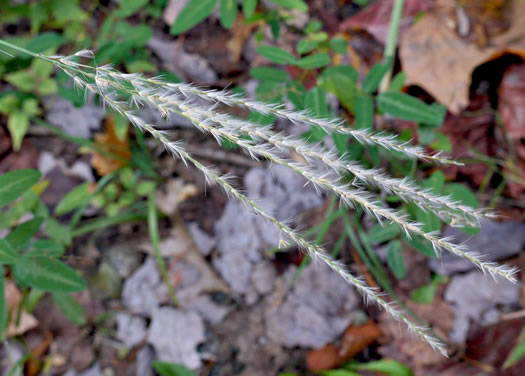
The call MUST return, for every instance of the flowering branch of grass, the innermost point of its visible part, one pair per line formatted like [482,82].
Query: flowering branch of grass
[125,93]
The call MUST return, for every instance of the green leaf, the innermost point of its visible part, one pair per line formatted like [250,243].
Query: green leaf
[42,68]
[296,92]
[46,247]
[518,351]
[48,86]
[58,232]
[193,13]
[306,45]
[292,4]
[171,369]
[340,142]
[339,372]
[384,366]
[47,274]
[435,181]
[406,107]
[398,82]
[268,73]
[276,55]
[22,80]
[22,234]
[421,245]
[341,81]
[338,45]
[364,112]
[374,77]
[461,193]
[7,253]
[139,66]
[248,7]
[429,220]
[45,41]
[382,233]
[318,60]
[442,143]
[395,259]
[13,184]
[315,101]
[18,124]
[269,92]
[129,7]
[70,308]
[426,294]
[75,198]
[3,304]
[228,13]
[30,107]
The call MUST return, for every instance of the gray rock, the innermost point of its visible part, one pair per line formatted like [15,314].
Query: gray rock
[125,258]
[10,353]
[208,309]
[496,240]
[79,122]
[145,358]
[131,330]
[139,292]
[263,277]
[242,235]
[475,296]
[175,334]
[316,310]
[205,243]
[174,59]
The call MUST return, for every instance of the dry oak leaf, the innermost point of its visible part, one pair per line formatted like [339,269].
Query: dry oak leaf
[440,61]
[112,153]
[26,321]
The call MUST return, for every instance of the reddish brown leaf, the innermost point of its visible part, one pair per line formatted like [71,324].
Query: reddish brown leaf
[113,153]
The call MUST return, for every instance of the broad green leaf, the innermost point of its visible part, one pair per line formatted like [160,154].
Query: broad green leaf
[66,11]
[139,66]
[3,304]
[382,233]
[46,87]
[171,369]
[296,92]
[248,7]
[292,4]
[268,73]
[75,198]
[276,55]
[129,7]
[22,234]
[269,91]
[315,101]
[441,143]
[23,80]
[228,13]
[318,60]
[406,107]
[18,124]
[428,219]
[313,26]
[518,351]
[384,366]
[341,81]
[461,193]
[339,372]
[306,45]
[45,41]
[47,274]
[42,68]
[193,13]
[338,45]
[435,181]
[395,259]
[46,247]
[70,308]
[30,106]
[7,253]
[340,142]
[340,70]
[58,232]
[374,77]
[398,82]
[426,294]
[421,245]
[13,184]
[364,112]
